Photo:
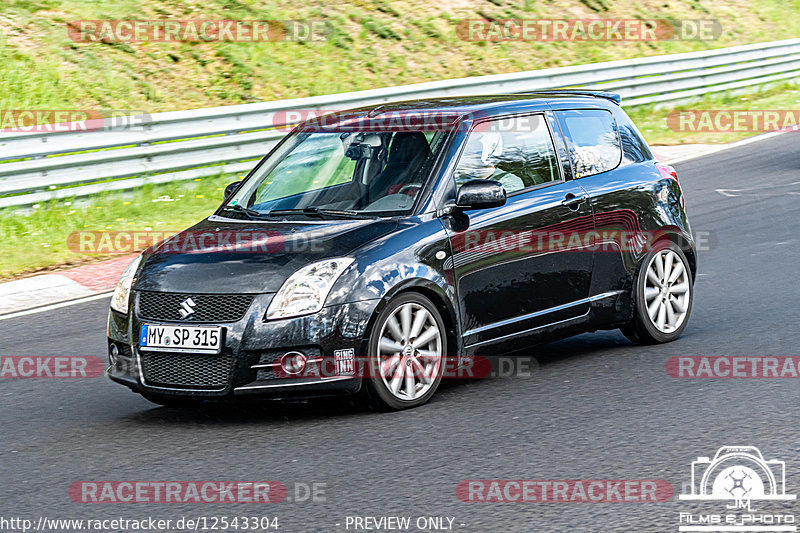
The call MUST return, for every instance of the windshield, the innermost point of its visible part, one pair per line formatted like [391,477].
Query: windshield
[341,173]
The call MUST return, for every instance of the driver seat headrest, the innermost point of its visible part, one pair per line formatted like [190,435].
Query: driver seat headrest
[406,146]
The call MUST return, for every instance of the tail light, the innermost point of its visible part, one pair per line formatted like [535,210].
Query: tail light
[670,173]
[667,171]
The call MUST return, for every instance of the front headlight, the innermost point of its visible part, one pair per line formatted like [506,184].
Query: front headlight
[122,293]
[306,290]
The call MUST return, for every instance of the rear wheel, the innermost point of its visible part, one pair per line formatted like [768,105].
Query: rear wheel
[407,349]
[663,296]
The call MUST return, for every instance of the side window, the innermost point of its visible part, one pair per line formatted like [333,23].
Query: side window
[516,151]
[593,140]
[634,148]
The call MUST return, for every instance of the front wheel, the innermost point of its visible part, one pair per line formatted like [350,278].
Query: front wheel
[663,295]
[407,349]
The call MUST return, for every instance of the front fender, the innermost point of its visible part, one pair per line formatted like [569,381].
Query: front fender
[411,258]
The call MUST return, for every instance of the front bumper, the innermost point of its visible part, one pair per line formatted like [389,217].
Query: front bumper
[251,346]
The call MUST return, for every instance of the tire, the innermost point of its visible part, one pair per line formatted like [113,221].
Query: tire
[661,306]
[389,384]
[170,401]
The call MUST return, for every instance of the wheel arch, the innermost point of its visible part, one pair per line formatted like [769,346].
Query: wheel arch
[675,236]
[437,295]
[636,329]
[688,249]
[672,235]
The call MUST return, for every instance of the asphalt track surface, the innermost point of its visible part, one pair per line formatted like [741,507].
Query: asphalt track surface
[597,407]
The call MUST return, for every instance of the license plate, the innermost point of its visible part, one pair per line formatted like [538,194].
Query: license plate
[180,339]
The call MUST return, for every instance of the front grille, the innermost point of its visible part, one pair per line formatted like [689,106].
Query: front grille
[267,358]
[206,308]
[185,370]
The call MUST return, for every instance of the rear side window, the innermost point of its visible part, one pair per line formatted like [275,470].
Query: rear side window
[516,151]
[634,149]
[593,140]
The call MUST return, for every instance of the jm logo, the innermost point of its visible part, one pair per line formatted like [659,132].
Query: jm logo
[738,474]
[740,477]
[739,503]
[187,307]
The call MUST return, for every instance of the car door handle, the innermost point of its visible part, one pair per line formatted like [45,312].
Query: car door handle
[573,201]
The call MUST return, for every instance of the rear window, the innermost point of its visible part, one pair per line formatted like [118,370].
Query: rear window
[593,140]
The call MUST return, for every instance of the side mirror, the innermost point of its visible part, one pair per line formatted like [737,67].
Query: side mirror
[481,194]
[231,188]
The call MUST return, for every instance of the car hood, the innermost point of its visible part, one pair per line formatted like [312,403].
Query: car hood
[221,256]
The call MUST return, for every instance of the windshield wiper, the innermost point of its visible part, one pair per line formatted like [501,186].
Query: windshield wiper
[316,211]
[252,214]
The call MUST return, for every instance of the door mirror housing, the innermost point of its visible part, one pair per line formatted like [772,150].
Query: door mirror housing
[231,188]
[481,194]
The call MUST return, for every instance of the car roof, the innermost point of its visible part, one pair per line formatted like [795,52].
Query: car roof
[452,109]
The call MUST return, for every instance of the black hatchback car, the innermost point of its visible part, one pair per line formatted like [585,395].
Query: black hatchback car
[372,249]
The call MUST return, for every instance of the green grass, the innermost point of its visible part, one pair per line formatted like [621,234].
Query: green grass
[35,239]
[652,121]
[373,43]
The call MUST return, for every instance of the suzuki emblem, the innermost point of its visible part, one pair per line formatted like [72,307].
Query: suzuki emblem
[187,307]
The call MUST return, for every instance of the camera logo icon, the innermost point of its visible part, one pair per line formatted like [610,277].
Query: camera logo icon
[738,473]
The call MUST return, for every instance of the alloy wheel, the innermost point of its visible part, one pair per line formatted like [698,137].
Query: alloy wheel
[667,291]
[409,351]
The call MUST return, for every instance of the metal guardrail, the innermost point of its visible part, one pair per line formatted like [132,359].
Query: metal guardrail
[204,142]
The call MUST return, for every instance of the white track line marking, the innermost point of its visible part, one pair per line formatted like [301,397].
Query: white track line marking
[737,144]
[56,306]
